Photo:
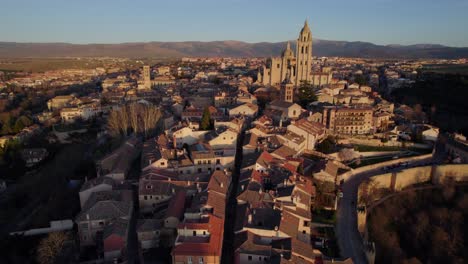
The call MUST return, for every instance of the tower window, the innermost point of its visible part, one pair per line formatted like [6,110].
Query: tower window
[306,49]
[302,50]
[278,66]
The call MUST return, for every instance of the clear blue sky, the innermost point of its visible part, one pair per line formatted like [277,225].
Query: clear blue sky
[105,21]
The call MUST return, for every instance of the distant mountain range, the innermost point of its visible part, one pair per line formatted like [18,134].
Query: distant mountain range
[225,48]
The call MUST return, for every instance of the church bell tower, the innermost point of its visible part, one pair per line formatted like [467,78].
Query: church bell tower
[304,54]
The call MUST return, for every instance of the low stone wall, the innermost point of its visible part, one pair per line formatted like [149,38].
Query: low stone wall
[412,176]
[55,226]
[457,172]
[348,174]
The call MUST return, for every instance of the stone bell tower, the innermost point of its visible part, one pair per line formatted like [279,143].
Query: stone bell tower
[304,54]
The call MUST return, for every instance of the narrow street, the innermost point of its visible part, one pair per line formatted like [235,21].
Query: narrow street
[231,205]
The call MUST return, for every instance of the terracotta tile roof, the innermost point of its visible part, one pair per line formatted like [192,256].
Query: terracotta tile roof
[306,186]
[290,167]
[302,249]
[283,152]
[212,247]
[310,127]
[176,206]
[255,197]
[289,224]
[265,158]
[265,218]
[258,176]
[281,104]
[158,174]
[253,245]
[219,182]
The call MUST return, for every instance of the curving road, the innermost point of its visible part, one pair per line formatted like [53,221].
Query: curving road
[349,239]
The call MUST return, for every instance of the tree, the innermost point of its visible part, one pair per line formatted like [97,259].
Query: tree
[150,117]
[105,101]
[50,246]
[206,123]
[306,94]
[22,122]
[123,118]
[113,123]
[133,115]
[360,79]
[327,145]
[346,154]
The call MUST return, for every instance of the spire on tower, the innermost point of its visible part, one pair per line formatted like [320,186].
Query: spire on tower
[305,28]
[288,46]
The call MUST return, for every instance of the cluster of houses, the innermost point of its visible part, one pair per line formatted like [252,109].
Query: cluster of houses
[186,173]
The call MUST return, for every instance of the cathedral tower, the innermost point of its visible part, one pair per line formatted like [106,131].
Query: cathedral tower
[304,55]
[147,76]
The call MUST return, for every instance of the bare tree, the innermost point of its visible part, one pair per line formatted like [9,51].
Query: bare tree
[113,122]
[139,118]
[150,118]
[346,154]
[50,246]
[133,116]
[124,125]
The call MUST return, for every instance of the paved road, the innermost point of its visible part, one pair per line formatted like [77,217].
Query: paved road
[349,239]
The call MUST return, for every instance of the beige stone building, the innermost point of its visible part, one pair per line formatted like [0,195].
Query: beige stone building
[294,66]
[344,120]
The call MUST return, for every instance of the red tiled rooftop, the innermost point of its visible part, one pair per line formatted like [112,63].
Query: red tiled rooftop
[176,205]
[201,248]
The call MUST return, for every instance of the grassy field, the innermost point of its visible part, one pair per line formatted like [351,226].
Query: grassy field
[365,148]
[447,68]
[48,64]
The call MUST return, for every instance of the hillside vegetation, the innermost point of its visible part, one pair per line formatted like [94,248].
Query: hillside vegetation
[422,227]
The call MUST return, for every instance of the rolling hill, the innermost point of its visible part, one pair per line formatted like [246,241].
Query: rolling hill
[224,48]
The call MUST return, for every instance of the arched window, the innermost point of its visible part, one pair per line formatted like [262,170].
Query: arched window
[302,49]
